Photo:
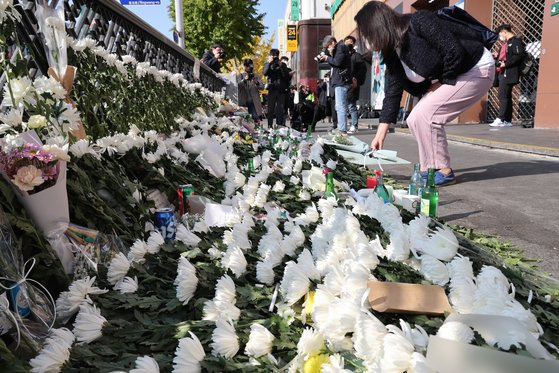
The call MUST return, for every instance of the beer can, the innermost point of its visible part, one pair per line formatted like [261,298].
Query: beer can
[19,300]
[166,223]
[183,192]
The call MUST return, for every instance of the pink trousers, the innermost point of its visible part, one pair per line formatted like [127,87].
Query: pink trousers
[437,108]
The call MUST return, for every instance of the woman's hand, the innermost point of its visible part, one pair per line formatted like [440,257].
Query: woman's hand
[378,141]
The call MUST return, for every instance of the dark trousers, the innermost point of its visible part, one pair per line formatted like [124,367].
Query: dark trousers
[334,113]
[319,114]
[505,99]
[252,111]
[276,100]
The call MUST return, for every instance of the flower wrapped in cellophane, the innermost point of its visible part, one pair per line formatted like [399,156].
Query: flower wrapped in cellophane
[26,307]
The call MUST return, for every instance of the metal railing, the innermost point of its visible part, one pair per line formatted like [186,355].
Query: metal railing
[120,31]
[526,19]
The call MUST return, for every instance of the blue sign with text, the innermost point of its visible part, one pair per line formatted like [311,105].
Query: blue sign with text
[140,2]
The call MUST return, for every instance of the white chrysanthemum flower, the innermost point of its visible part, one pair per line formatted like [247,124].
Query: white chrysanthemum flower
[262,195]
[55,352]
[306,263]
[279,187]
[418,364]
[397,353]
[137,251]
[294,180]
[456,331]
[298,166]
[259,341]
[200,227]
[69,301]
[188,355]
[399,247]
[81,148]
[418,231]
[310,343]
[225,290]
[285,312]
[50,86]
[331,164]
[154,243]
[265,272]
[295,283]
[145,364]
[186,236]
[127,59]
[224,340]
[368,338]
[235,260]
[127,285]
[118,268]
[310,216]
[186,280]
[336,365]
[434,270]
[442,244]
[88,323]
[304,195]
[20,89]
[12,118]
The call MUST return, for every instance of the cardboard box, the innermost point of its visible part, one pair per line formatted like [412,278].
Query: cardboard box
[418,299]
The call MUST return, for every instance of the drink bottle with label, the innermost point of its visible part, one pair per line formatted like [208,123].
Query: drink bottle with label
[430,196]
[381,190]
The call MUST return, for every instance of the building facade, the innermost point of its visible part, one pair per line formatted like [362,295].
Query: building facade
[312,18]
[534,98]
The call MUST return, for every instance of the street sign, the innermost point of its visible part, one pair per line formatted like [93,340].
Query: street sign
[554,9]
[140,2]
[295,9]
[292,38]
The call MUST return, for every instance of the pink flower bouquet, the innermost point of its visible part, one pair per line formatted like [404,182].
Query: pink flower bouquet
[32,168]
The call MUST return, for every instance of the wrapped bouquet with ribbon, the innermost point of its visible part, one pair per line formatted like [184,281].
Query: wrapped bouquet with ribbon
[27,309]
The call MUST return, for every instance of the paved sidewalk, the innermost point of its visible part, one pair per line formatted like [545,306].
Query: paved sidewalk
[517,138]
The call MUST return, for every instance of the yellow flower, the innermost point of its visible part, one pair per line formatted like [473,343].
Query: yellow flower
[314,363]
[37,121]
[309,303]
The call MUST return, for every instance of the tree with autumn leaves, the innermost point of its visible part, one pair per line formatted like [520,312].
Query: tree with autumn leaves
[236,24]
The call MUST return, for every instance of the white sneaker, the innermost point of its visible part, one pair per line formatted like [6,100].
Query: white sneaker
[496,123]
[352,130]
[506,124]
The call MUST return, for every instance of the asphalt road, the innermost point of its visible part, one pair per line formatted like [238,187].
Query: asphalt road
[508,194]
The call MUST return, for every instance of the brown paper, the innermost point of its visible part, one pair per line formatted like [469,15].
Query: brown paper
[394,297]
[68,82]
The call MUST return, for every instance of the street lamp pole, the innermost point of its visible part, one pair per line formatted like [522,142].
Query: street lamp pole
[179,20]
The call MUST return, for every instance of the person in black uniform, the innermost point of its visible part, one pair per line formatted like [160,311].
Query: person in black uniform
[278,76]
[509,74]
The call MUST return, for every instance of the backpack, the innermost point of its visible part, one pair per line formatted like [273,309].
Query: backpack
[459,15]
[527,64]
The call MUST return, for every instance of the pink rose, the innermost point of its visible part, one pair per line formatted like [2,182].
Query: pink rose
[28,177]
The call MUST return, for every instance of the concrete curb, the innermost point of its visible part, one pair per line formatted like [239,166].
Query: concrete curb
[522,148]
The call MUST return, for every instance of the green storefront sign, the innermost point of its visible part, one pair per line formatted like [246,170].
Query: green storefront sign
[295,9]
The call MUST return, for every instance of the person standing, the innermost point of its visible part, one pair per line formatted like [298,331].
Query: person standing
[277,75]
[443,61]
[249,90]
[509,73]
[359,74]
[339,59]
[214,57]
[287,106]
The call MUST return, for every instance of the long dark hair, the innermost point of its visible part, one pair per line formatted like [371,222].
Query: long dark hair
[381,26]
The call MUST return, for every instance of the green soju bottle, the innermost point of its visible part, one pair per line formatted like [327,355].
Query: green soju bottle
[250,165]
[381,190]
[330,192]
[430,196]
[309,132]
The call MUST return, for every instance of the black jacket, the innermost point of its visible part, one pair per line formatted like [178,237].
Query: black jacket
[515,56]
[209,60]
[359,73]
[341,66]
[434,49]
[278,76]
